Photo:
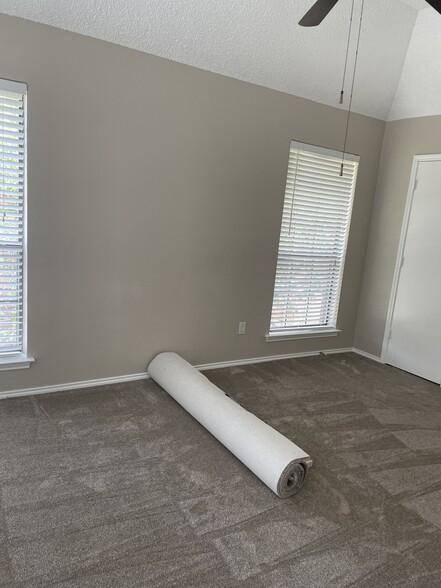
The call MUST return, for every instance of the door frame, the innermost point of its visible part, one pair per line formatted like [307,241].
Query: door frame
[402,244]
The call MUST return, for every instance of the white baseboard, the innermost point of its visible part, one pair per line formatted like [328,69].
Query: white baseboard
[202,367]
[335,351]
[74,385]
[368,355]
[238,362]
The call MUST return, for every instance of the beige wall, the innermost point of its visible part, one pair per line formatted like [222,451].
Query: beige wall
[403,139]
[155,198]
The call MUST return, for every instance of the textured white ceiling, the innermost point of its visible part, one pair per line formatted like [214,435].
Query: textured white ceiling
[419,89]
[253,40]
[417,4]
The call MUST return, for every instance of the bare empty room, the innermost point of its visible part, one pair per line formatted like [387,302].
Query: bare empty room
[220,286]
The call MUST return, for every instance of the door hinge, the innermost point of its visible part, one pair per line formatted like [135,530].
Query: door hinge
[415,185]
[390,335]
[402,262]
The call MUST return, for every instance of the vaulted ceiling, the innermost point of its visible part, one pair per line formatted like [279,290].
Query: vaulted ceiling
[259,41]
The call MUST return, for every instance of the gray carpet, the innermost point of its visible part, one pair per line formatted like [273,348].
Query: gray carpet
[119,487]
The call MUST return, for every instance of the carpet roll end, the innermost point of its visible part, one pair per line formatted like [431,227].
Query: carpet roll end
[292,478]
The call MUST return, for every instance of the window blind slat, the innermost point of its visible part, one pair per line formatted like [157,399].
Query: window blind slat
[12,166]
[313,238]
[11,152]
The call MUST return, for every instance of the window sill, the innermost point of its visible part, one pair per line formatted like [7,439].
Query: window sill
[301,334]
[18,361]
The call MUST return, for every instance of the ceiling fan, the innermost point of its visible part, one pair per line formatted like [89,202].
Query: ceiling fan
[322,8]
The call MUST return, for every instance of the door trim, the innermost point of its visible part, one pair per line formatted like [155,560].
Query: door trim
[405,226]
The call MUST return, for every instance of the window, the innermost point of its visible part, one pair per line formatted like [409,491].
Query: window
[313,239]
[12,225]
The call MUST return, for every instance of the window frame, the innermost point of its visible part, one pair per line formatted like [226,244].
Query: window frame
[325,330]
[20,359]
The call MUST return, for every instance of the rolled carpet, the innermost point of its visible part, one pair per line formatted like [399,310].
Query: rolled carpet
[273,458]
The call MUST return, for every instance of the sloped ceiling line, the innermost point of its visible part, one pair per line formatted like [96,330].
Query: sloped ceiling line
[258,41]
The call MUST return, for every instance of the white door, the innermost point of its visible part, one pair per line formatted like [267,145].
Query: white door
[415,336]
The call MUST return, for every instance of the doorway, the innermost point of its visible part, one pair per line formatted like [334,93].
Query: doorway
[414,327]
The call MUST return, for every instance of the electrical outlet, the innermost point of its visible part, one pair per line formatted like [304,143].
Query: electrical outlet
[242,328]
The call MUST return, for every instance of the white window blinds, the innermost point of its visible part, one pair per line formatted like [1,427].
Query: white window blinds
[313,239]
[12,186]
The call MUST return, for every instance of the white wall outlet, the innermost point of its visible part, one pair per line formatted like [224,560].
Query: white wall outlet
[242,328]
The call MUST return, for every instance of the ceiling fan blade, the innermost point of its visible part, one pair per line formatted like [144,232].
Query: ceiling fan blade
[436,4]
[317,13]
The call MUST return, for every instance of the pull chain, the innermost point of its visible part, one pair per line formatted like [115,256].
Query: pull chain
[352,89]
[347,54]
